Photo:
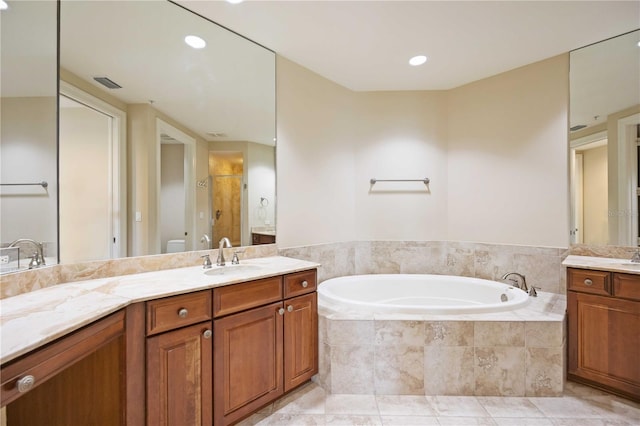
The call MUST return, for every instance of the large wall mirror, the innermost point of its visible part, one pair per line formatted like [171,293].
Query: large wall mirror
[604,142]
[164,146]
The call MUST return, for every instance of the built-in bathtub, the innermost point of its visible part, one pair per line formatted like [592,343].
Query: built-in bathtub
[465,336]
[420,294]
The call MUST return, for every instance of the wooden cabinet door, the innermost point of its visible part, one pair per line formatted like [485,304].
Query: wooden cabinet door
[604,342]
[247,362]
[300,340]
[179,372]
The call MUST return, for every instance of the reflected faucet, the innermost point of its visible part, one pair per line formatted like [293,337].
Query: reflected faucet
[206,241]
[636,257]
[37,260]
[224,242]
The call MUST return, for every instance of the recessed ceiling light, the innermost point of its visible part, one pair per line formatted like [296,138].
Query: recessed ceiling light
[417,60]
[234,1]
[639,44]
[3,5]
[195,41]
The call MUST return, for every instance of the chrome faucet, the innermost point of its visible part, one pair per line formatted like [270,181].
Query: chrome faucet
[224,242]
[522,286]
[37,260]
[636,257]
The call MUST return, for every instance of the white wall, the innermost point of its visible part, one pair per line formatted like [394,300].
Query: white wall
[595,196]
[261,178]
[496,152]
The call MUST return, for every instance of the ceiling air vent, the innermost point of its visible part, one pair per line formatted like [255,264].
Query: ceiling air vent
[578,127]
[107,82]
[217,134]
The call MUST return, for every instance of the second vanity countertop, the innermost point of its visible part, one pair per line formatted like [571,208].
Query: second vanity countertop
[30,320]
[602,264]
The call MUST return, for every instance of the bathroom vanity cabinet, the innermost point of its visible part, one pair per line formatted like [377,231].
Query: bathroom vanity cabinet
[79,379]
[204,357]
[604,330]
[179,360]
[265,340]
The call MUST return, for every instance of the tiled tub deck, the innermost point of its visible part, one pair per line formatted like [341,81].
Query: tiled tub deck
[516,353]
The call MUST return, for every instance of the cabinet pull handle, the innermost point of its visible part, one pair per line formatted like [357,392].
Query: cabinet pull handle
[281,311]
[304,284]
[588,282]
[207,334]
[290,308]
[182,313]
[25,383]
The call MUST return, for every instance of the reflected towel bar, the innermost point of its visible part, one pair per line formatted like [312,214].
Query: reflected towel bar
[374,180]
[43,184]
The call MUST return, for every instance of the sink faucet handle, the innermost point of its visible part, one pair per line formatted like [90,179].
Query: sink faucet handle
[206,263]
[636,256]
[235,260]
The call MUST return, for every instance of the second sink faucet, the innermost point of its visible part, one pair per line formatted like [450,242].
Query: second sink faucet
[224,242]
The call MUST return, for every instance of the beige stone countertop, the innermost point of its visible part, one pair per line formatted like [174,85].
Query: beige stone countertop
[30,320]
[602,264]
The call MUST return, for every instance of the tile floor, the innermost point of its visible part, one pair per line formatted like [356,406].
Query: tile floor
[580,406]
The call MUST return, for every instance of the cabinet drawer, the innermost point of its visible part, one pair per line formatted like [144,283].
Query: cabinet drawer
[299,283]
[178,311]
[238,297]
[586,281]
[626,286]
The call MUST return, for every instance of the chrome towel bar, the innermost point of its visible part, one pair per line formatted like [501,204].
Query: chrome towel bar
[43,184]
[373,181]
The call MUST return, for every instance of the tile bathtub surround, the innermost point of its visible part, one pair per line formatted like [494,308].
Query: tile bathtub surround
[541,265]
[502,354]
[578,405]
[26,281]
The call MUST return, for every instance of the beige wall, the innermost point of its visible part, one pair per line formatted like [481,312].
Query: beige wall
[508,157]
[29,127]
[495,151]
[596,230]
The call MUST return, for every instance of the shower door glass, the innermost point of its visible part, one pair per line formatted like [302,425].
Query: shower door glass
[226,209]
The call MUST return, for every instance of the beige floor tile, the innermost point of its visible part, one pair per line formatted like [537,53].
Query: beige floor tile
[352,420]
[523,421]
[404,405]
[570,406]
[457,406]
[509,406]
[466,421]
[592,422]
[409,421]
[351,404]
[283,419]
[307,400]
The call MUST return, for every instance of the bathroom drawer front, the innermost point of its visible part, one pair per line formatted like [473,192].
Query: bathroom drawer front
[177,311]
[626,286]
[299,283]
[587,281]
[239,297]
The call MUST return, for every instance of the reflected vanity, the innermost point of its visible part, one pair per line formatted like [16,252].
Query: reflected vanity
[151,131]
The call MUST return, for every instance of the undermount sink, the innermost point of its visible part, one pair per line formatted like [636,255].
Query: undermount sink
[232,269]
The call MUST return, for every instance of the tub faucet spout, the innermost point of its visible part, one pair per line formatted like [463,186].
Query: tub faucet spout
[521,285]
[224,242]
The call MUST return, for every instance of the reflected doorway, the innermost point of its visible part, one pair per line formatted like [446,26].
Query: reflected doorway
[226,170]
[92,178]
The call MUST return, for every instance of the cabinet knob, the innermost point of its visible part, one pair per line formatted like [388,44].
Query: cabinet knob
[281,311]
[588,282]
[207,334]
[25,383]
[290,308]
[304,284]
[182,313]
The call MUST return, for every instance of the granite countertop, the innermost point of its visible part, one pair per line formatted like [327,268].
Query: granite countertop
[30,320]
[602,264]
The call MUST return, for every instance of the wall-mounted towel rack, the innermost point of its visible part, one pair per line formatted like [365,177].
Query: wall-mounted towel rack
[43,184]
[373,181]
